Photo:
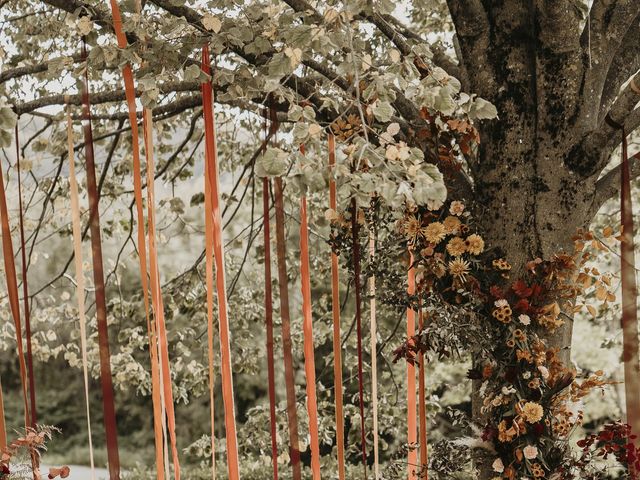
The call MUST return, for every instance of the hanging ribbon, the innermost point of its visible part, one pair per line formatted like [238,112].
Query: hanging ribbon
[108,401]
[422,405]
[335,308]
[374,360]
[356,281]
[213,210]
[156,293]
[25,296]
[80,288]
[412,431]
[629,295]
[130,94]
[307,327]
[268,314]
[287,346]
[3,426]
[12,289]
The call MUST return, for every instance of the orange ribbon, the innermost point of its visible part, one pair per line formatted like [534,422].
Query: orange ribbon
[213,211]
[158,406]
[335,307]
[156,293]
[12,289]
[108,401]
[412,430]
[77,254]
[307,327]
[422,405]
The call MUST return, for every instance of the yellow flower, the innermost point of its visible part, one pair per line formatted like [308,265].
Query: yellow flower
[452,224]
[434,232]
[532,412]
[456,246]
[475,244]
[459,268]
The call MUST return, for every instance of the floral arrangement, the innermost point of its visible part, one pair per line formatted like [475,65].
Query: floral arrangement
[20,459]
[531,399]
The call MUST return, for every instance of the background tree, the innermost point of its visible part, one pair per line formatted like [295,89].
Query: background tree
[554,71]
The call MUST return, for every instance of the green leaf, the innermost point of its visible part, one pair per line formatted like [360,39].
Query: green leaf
[273,163]
[382,111]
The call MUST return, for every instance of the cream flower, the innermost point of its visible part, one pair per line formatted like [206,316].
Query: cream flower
[501,303]
[532,412]
[498,466]
[530,452]
[456,208]
[544,371]
[524,319]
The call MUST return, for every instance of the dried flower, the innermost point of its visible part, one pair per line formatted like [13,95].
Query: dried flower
[524,319]
[456,246]
[498,466]
[532,412]
[452,224]
[459,268]
[501,264]
[456,208]
[434,232]
[501,303]
[475,244]
[530,452]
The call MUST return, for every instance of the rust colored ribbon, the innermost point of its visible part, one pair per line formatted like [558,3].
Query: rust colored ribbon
[268,314]
[412,429]
[208,222]
[158,407]
[25,295]
[424,475]
[213,210]
[108,401]
[77,254]
[374,359]
[156,294]
[335,308]
[357,288]
[307,327]
[12,289]
[287,346]
[629,298]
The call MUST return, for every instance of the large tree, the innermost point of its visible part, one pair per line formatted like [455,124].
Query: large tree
[557,72]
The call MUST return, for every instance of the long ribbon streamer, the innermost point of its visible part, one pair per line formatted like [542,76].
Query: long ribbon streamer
[268,314]
[629,299]
[335,309]
[374,360]
[356,281]
[3,426]
[287,346]
[212,183]
[156,293]
[158,405]
[424,474]
[12,289]
[108,401]
[412,430]
[77,251]
[25,296]
[307,327]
